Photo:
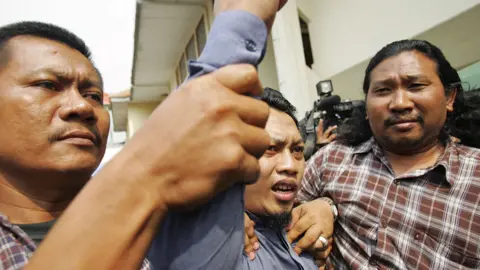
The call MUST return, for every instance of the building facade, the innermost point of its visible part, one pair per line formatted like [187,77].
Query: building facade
[311,41]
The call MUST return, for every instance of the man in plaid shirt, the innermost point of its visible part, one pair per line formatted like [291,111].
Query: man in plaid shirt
[407,196]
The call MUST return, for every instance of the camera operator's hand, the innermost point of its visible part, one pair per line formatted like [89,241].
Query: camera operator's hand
[264,9]
[325,137]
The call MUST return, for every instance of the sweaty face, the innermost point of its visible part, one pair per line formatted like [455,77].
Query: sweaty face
[281,168]
[51,109]
[406,102]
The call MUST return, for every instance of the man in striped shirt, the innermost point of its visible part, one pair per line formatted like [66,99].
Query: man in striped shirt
[407,196]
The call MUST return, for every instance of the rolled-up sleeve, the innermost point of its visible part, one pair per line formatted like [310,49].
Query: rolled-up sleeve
[235,37]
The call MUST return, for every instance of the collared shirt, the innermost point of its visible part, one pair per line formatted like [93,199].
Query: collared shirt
[426,219]
[16,247]
[276,252]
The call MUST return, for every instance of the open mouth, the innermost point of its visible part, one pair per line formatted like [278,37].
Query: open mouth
[284,191]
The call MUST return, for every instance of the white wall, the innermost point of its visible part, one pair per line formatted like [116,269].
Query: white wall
[346,32]
[287,43]
[267,70]
[138,113]
[107,26]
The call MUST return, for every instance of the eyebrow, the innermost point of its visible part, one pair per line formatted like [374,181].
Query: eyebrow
[416,77]
[283,140]
[65,76]
[278,139]
[391,81]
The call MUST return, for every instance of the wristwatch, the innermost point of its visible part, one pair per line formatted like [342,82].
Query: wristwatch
[333,207]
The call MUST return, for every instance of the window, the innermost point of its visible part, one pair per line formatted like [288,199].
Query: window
[183,68]
[307,46]
[201,33]
[191,51]
[194,48]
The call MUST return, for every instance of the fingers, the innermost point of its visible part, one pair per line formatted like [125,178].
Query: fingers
[322,255]
[320,246]
[241,78]
[253,139]
[299,228]
[295,229]
[329,131]
[250,240]
[296,213]
[321,264]
[252,111]
[332,137]
[320,128]
[249,170]
[309,240]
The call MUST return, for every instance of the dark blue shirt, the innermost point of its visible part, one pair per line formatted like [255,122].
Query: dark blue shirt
[212,237]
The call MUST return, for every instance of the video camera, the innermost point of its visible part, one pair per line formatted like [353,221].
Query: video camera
[328,108]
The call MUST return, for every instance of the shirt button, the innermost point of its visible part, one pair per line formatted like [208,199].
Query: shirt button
[417,236]
[384,223]
[395,182]
[251,46]
[373,262]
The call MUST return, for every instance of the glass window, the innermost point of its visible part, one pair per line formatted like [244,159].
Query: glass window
[183,68]
[201,33]
[191,50]
[307,45]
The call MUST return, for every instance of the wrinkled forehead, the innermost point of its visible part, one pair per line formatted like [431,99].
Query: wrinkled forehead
[404,65]
[282,127]
[25,54]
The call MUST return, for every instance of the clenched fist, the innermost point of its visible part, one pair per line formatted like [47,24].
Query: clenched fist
[203,138]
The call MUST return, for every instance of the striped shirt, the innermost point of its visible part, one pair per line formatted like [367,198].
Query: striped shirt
[426,219]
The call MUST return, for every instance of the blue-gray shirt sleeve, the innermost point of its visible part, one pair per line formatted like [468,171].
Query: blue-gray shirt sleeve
[212,237]
[236,37]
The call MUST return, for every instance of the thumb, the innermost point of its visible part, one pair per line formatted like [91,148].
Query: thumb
[240,78]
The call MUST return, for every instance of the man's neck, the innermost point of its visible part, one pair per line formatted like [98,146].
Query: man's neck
[403,164]
[22,205]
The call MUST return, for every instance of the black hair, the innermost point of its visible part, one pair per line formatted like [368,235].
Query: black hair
[276,100]
[43,30]
[466,126]
[447,74]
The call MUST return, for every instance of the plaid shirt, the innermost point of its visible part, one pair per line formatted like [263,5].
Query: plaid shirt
[16,247]
[426,219]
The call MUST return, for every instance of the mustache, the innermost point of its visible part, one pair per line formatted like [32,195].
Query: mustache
[59,133]
[395,119]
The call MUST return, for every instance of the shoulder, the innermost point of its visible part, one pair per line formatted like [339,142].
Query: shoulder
[332,153]
[467,153]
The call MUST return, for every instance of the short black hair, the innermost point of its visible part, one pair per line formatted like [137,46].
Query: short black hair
[43,30]
[276,100]
[447,74]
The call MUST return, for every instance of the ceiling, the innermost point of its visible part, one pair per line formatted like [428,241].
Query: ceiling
[163,29]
